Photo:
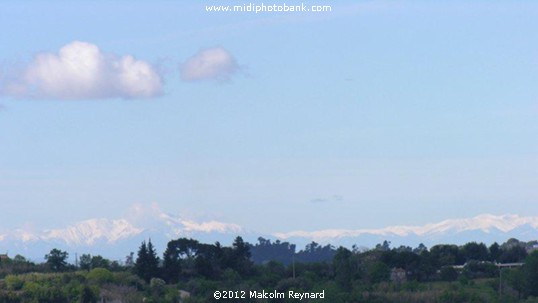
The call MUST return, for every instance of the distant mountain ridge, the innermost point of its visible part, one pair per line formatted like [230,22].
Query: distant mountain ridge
[118,237]
[485,223]
[482,228]
[89,232]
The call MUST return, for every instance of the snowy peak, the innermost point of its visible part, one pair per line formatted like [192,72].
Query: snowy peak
[181,226]
[151,221]
[88,232]
[124,234]
[485,223]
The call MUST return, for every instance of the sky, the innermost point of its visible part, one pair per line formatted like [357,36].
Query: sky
[376,113]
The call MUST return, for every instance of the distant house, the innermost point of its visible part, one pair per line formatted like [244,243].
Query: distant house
[129,260]
[3,257]
[398,275]
[183,295]
[532,248]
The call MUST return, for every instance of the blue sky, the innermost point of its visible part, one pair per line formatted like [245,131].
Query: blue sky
[377,113]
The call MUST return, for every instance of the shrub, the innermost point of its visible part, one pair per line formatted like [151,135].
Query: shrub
[100,276]
[448,273]
[14,282]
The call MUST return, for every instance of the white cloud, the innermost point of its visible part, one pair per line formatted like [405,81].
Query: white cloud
[209,64]
[81,70]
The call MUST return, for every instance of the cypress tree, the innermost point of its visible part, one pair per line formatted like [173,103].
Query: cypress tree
[141,261]
[147,262]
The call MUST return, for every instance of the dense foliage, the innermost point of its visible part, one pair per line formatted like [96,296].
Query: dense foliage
[190,271]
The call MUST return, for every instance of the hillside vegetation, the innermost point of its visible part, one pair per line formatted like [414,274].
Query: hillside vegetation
[190,271]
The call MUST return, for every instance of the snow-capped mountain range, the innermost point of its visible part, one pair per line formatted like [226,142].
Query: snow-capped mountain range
[485,223]
[115,238]
[485,228]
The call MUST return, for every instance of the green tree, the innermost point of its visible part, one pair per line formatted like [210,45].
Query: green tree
[241,249]
[147,262]
[378,272]
[383,247]
[494,252]
[420,249]
[85,262]
[87,295]
[177,251]
[515,253]
[475,251]
[344,268]
[516,279]
[448,273]
[240,257]
[206,263]
[19,259]
[530,273]
[57,259]
[444,255]
[14,282]
[100,262]
[100,276]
